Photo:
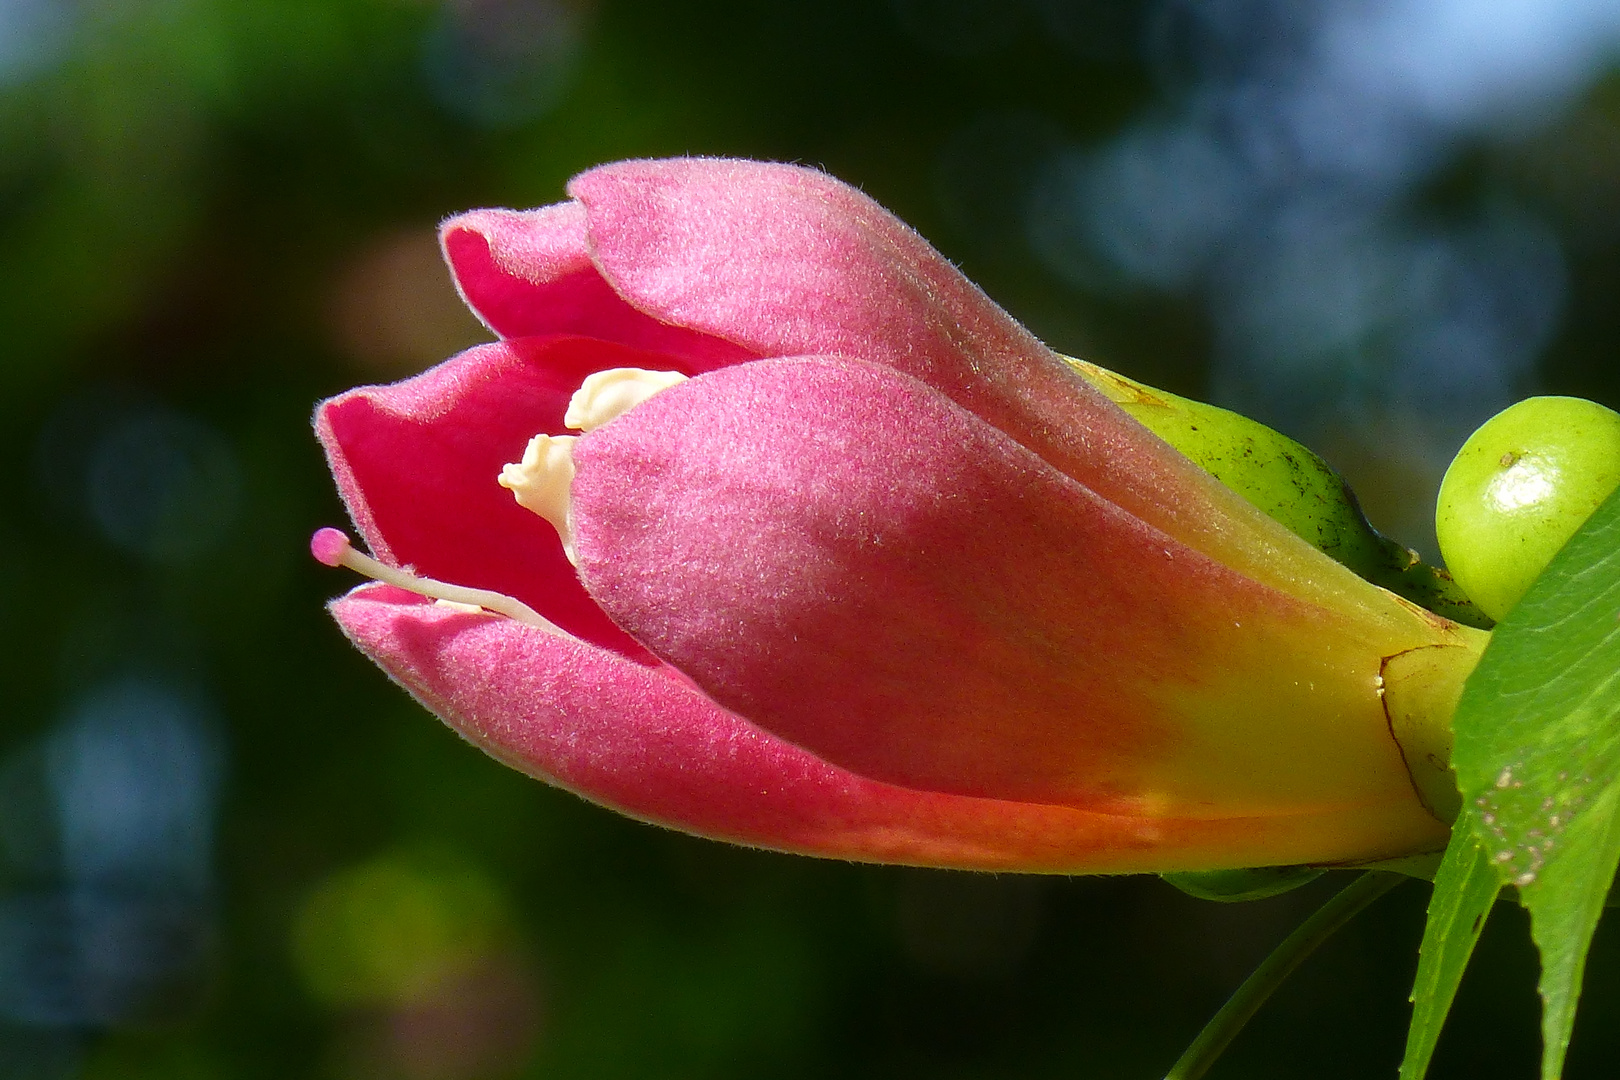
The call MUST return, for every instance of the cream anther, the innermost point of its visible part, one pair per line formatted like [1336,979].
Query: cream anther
[606,395]
[540,483]
[331,547]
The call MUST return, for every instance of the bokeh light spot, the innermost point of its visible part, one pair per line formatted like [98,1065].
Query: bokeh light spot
[501,63]
[108,917]
[394,929]
[33,36]
[393,309]
[163,485]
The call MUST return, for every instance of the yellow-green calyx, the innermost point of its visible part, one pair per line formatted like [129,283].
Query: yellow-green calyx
[1419,687]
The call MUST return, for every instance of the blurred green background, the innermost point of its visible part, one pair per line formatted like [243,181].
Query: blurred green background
[230,848]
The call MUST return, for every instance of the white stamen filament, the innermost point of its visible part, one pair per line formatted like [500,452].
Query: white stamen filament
[456,595]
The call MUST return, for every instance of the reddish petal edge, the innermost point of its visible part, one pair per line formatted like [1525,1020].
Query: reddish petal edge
[643,742]
[527,272]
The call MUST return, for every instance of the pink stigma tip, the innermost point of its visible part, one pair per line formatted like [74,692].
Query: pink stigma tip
[329,545]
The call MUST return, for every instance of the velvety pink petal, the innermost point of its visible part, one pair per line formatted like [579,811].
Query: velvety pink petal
[641,741]
[841,554]
[527,273]
[788,261]
[416,464]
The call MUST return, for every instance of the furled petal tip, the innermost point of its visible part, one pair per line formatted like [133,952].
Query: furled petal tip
[863,569]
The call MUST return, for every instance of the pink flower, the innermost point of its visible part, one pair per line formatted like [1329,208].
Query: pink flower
[884,580]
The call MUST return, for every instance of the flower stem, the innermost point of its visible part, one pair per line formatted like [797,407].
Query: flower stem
[1247,999]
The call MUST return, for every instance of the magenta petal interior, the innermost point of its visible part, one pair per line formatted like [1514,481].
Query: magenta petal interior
[527,273]
[417,462]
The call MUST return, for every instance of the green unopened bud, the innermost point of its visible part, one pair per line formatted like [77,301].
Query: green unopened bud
[1519,488]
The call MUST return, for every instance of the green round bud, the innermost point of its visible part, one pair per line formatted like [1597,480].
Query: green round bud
[1519,488]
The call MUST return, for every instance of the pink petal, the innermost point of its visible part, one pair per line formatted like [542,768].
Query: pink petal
[639,740]
[527,273]
[856,564]
[416,464]
[787,261]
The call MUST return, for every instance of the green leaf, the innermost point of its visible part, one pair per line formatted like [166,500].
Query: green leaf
[1465,888]
[1237,886]
[1538,759]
